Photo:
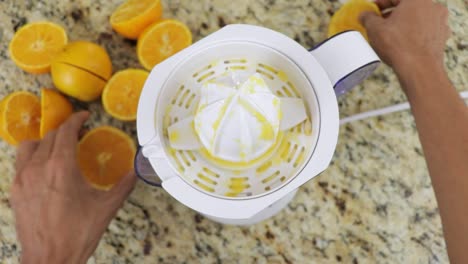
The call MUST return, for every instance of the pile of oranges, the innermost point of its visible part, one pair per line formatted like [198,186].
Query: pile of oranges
[83,70]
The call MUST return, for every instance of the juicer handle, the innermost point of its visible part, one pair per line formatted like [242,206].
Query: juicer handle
[347,58]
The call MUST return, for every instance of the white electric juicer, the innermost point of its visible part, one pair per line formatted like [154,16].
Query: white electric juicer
[199,172]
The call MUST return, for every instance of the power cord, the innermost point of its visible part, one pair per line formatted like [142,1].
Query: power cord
[384,111]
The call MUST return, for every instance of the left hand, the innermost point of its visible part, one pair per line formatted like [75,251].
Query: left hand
[60,218]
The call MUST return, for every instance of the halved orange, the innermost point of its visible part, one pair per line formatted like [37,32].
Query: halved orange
[35,45]
[347,17]
[55,109]
[3,134]
[122,92]
[133,16]
[105,155]
[162,40]
[20,114]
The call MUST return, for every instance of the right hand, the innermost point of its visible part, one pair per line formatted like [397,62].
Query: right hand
[60,218]
[415,32]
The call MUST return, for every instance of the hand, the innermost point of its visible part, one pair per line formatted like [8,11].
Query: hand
[414,33]
[60,218]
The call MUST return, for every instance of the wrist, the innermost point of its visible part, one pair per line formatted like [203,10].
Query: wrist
[413,66]
[419,78]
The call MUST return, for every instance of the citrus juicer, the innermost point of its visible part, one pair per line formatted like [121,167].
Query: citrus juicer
[232,125]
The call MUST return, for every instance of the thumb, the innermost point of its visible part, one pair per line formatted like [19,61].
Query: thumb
[371,21]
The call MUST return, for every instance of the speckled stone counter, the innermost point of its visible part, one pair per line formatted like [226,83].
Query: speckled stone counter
[375,203]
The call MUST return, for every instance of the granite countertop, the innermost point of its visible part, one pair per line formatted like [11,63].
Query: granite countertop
[375,203]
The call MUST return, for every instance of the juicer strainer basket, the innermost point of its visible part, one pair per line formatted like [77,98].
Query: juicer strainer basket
[270,171]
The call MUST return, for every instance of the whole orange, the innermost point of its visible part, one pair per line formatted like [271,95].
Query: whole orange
[82,70]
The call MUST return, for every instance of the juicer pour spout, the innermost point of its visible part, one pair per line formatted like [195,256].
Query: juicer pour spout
[142,165]
[144,170]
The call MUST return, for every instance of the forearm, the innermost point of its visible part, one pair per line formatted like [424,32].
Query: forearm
[57,254]
[442,121]
[30,259]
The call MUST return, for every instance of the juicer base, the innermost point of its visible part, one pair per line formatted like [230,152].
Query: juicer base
[266,213]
